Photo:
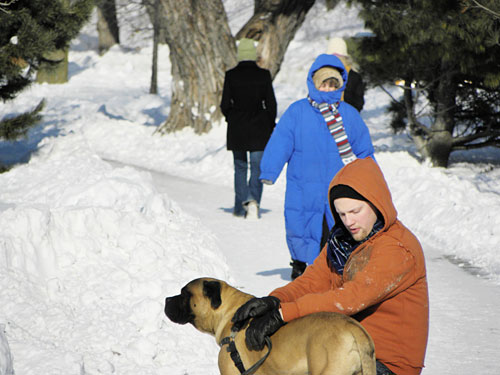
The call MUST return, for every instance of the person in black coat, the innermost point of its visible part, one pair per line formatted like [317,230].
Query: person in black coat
[354,92]
[249,106]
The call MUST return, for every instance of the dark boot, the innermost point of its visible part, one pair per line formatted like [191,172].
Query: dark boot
[298,268]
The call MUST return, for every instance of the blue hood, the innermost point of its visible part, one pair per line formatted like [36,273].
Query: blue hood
[321,96]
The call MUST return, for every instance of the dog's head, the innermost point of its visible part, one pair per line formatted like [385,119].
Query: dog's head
[196,304]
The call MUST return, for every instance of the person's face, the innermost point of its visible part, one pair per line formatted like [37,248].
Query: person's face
[330,84]
[357,216]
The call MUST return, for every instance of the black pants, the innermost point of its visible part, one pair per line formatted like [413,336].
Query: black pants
[383,370]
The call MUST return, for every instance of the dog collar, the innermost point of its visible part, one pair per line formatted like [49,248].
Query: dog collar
[235,356]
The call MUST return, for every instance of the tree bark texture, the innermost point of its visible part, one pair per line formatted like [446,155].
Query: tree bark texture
[153,88]
[274,25]
[201,50]
[439,145]
[53,67]
[435,143]
[107,25]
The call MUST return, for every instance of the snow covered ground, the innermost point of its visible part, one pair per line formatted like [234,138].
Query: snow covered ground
[103,219]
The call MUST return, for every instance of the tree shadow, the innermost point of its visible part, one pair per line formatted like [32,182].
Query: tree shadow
[156,115]
[19,151]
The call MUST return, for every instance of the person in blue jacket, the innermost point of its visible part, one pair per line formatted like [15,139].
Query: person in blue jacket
[316,136]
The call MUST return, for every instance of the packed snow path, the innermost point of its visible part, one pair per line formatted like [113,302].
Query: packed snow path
[464,327]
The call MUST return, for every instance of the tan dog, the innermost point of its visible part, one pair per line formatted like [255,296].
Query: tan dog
[317,344]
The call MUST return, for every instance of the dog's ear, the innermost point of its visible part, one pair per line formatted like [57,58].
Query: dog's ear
[211,290]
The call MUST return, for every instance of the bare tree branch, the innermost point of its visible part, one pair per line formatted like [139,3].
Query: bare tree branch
[416,128]
[492,135]
[388,93]
[5,4]
[481,6]
[473,146]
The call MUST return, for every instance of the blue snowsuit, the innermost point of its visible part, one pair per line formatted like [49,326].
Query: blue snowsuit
[302,139]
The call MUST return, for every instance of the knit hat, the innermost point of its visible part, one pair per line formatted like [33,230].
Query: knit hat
[247,50]
[325,73]
[345,191]
[337,46]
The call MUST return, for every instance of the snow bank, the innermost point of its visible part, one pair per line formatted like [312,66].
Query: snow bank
[5,355]
[87,255]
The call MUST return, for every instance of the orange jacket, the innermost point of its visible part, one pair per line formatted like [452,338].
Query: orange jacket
[384,284]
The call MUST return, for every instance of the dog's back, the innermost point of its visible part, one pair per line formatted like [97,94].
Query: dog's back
[322,343]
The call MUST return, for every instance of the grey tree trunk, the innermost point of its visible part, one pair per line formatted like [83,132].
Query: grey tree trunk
[435,143]
[274,25]
[439,145]
[330,4]
[107,25]
[53,67]
[153,88]
[201,50]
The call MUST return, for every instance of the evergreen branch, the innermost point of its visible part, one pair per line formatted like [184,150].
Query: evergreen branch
[17,127]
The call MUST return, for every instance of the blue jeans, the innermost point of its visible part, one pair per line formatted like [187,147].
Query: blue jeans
[246,190]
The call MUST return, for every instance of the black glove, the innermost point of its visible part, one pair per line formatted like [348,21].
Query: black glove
[253,308]
[261,327]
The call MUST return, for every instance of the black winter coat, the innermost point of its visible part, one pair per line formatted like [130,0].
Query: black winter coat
[249,105]
[355,90]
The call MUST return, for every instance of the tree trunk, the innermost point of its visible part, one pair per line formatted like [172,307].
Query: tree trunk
[439,144]
[435,142]
[107,25]
[156,11]
[153,88]
[53,67]
[330,4]
[274,25]
[201,50]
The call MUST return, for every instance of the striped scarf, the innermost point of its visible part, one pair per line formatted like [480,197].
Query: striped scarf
[335,124]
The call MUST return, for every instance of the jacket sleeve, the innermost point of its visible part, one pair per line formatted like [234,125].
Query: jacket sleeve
[359,136]
[317,278]
[270,100]
[384,276]
[226,101]
[356,88]
[279,148]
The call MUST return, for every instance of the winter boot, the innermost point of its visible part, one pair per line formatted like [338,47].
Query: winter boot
[298,268]
[252,208]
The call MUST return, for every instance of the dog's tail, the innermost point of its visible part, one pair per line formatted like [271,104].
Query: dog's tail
[366,350]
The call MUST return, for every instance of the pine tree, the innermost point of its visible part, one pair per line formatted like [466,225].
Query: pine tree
[447,53]
[30,30]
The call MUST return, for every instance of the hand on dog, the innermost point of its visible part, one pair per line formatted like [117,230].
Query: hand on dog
[261,327]
[253,308]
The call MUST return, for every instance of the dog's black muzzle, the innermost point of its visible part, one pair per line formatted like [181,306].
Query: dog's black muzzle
[177,309]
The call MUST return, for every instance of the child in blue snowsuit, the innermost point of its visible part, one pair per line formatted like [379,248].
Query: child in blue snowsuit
[304,139]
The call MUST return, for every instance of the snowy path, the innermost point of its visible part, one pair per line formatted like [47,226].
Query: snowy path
[463,306]
[255,249]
